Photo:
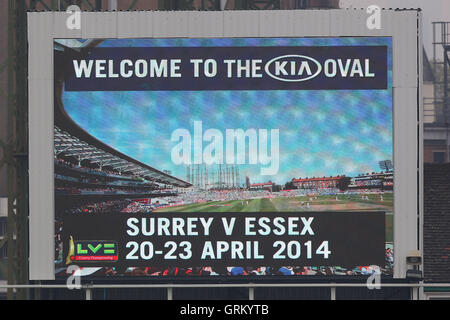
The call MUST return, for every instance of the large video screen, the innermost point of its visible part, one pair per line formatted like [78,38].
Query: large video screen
[224,157]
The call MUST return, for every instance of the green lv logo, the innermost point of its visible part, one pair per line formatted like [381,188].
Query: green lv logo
[94,249]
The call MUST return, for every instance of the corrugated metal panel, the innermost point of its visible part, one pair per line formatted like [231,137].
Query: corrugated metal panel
[406,134]
[41,181]
[170,24]
[92,26]
[40,118]
[420,116]
[311,23]
[241,23]
[405,49]
[42,45]
[405,176]
[61,30]
[206,24]
[134,24]
[276,23]
[348,22]
[389,22]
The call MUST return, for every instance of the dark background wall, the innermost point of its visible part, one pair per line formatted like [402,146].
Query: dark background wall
[436,239]
[3,87]
[231,4]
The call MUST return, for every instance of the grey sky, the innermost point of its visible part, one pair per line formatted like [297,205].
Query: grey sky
[433,10]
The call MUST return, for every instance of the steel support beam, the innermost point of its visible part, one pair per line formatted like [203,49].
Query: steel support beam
[16,152]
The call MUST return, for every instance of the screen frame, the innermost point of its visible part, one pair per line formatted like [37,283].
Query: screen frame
[404,26]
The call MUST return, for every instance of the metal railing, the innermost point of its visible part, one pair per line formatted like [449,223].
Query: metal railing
[434,111]
[87,288]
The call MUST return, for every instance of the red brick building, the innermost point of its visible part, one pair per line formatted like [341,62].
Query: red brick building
[262,186]
[316,183]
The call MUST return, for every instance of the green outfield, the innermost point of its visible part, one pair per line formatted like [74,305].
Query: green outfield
[319,203]
[299,204]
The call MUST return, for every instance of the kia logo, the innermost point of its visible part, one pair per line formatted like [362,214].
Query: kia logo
[293,68]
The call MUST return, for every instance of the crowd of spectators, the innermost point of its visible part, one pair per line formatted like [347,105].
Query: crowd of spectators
[58,242]
[137,207]
[104,182]
[99,207]
[96,170]
[202,196]
[216,195]
[251,271]
[241,271]
[103,191]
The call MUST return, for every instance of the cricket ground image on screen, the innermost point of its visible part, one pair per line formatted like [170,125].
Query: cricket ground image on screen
[193,157]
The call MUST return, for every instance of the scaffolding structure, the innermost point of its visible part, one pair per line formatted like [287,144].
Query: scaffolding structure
[214,177]
[441,69]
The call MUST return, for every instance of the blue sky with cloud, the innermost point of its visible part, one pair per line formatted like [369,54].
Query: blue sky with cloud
[322,133]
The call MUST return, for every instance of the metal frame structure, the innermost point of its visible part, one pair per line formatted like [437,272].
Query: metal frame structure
[15,148]
[441,45]
[84,151]
[437,107]
[88,288]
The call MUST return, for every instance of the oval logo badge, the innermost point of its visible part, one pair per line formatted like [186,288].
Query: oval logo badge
[293,68]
